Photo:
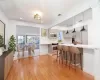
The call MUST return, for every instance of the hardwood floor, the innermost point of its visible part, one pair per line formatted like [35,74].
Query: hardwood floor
[44,68]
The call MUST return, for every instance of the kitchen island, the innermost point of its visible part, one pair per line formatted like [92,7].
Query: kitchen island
[91,55]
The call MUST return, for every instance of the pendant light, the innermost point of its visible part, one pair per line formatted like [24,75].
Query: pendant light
[74,31]
[67,32]
[83,29]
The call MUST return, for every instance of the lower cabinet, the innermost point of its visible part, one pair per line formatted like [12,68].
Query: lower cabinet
[6,61]
[8,64]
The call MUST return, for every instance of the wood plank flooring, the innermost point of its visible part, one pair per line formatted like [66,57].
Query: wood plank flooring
[44,68]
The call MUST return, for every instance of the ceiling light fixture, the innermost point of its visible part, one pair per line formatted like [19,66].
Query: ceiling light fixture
[37,17]
[74,31]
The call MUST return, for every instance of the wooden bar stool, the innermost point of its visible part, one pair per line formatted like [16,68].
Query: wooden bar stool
[75,57]
[29,50]
[65,53]
[59,53]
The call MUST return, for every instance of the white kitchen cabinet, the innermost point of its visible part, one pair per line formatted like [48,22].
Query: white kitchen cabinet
[88,14]
[69,35]
[78,18]
[70,22]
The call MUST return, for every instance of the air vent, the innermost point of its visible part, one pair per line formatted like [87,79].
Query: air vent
[80,20]
[59,14]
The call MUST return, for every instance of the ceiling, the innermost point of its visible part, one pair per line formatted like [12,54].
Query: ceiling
[16,9]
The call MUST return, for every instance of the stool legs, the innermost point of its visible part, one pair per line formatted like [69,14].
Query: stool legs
[70,60]
[62,57]
[66,57]
[57,55]
[81,60]
[75,61]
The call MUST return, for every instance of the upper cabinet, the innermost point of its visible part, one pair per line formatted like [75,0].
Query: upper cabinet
[88,14]
[70,22]
[78,18]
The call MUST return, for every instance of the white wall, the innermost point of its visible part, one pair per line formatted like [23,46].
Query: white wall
[44,44]
[76,10]
[8,29]
[27,30]
[95,36]
[88,61]
[11,26]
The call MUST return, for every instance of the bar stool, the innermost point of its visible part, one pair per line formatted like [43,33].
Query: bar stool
[75,56]
[65,53]
[23,50]
[59,53]
[29,50]
[18,50]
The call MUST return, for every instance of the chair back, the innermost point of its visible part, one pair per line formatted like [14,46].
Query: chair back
[74,50]
[65,48]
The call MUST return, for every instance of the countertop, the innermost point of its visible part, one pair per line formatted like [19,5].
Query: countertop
[5,54]
[82,46]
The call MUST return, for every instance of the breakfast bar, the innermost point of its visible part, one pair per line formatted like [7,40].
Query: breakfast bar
[90,52]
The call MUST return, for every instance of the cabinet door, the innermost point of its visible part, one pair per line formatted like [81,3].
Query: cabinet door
[70,22]
[11,59]
[78,37]
[79,18]
[8,64]
[88,14]
[84,37]
[6,67]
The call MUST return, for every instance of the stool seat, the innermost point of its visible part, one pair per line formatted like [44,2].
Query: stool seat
[74,50]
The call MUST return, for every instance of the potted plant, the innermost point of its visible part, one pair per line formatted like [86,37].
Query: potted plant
[1,45]
[1,41]
[12,44]
[59,41]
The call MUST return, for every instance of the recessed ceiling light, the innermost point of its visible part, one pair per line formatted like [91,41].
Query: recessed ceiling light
[21,18]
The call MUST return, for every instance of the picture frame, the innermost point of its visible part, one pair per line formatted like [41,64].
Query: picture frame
[2,32]
[43,32]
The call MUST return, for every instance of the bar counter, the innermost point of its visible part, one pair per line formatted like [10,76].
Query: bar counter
[89,57]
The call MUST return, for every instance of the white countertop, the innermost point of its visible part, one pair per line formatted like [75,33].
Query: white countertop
[82,46]
[45,43]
